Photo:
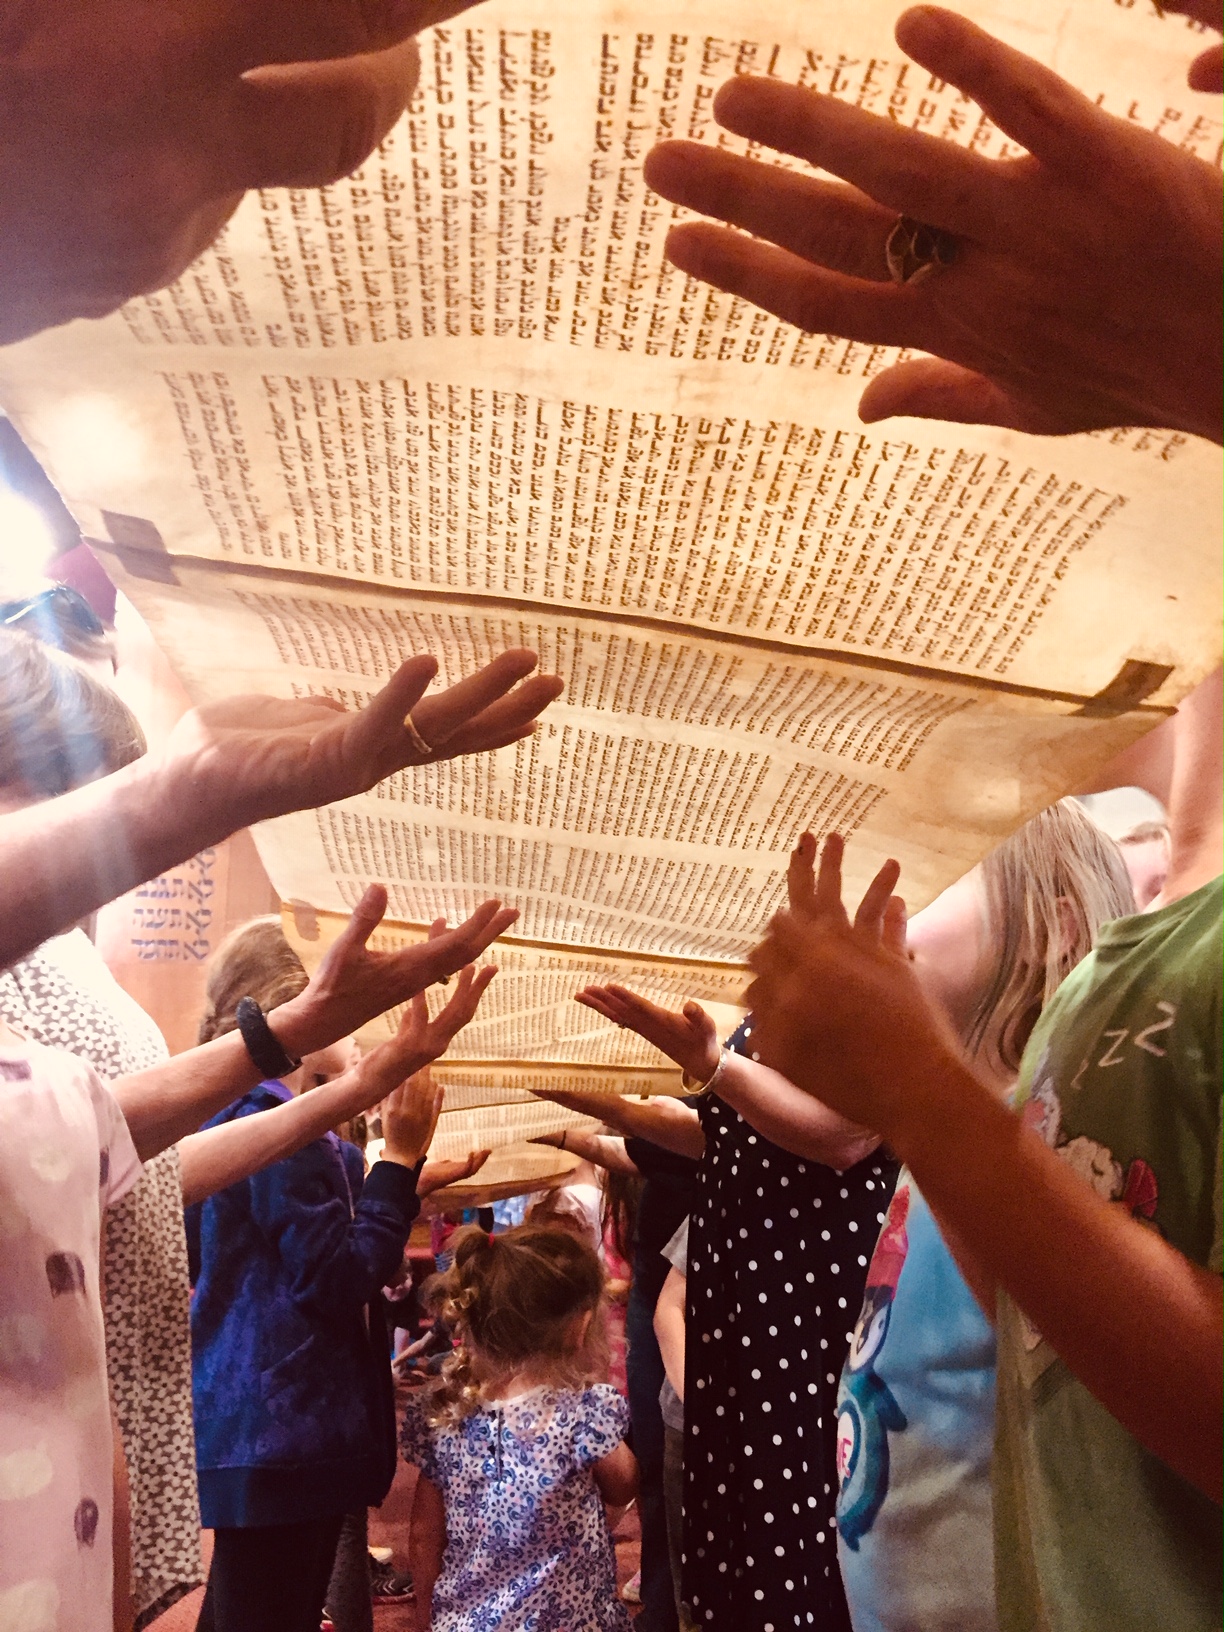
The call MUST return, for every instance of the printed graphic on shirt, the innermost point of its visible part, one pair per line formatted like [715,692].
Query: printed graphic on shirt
[867,1410]
[1134,1186]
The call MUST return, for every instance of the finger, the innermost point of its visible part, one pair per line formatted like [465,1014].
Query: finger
[363,921]
[814,300]
[827,896]
[1207,70]
[869,919]
[376,736]
[896,924]
[1208,12]
[1029,102]
[834,225]
[800,875]
[594,999]
[501,722]
[438,927]
[309,124]
[904,170]
[474,984]
[929,388]
[244,35]
[442,714]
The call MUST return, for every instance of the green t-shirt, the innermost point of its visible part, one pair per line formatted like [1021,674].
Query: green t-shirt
[1122,1078]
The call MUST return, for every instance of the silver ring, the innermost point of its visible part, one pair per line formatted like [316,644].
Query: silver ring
[914,250]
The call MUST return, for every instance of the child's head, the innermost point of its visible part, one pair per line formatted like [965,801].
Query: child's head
[520,1303]
[996,945]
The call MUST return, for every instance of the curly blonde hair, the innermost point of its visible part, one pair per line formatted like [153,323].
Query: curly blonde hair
[513,1301]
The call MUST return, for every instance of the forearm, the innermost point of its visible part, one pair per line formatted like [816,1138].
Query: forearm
[790,1118]
[166,1103]
[662,1120]
[215,1158]
[1135,1320]
[669,1328]
[64,858]
[599,1148]
[426,1547]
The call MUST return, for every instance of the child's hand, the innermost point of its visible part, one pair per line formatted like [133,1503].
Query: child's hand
[437,1175]
[836,1005]
[409,1117]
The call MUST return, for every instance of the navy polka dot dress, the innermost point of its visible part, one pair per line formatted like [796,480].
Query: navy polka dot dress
[778,1253]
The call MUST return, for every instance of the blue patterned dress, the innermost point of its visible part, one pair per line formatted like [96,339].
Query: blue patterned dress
[527,1542]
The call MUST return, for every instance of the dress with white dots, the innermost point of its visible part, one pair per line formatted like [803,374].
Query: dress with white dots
[778,1252]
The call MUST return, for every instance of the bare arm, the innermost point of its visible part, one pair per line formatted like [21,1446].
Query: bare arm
[215,1158]
[597,1148]
[792,1119]
[662,1120]
[426,1546]
[235,763]
[616,1476]
[669,1327]
[1137,1322]
[351,985]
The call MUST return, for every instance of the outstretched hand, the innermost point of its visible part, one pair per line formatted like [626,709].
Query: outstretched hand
[409,1118]
[453,1170]
[837,1006]
[355,984]
[690,1037]
[133,131]
[1086,287]
[258,757]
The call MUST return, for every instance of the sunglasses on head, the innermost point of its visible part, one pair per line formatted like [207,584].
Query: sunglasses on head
[60,603]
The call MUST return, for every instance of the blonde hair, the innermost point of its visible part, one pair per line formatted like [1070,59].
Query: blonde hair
[1049,888]
[256,961]
[512,1300]
[60,727]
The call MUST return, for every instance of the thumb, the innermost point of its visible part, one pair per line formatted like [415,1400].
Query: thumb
[308,124]
[928,388]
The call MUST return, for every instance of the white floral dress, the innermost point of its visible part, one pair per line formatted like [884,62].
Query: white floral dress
[527,1542]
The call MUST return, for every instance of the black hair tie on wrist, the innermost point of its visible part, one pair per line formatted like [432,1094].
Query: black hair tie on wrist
[267,1054]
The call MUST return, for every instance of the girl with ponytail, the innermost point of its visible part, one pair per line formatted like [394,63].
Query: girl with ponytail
[519,1444]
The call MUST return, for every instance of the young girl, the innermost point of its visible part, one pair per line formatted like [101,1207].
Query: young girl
[518,1446]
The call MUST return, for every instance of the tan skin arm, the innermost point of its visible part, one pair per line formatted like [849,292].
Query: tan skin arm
[1137,1322]
[235,763]
[669,1327]
[596,1148]
[215,1158]
[616,1476]
[786,1115]
[351,986]
[662,1120]
[426,1547]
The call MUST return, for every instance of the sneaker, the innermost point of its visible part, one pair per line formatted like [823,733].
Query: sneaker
[389,1584]
[631,1592]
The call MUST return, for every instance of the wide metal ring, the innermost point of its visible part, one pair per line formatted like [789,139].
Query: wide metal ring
[915,250]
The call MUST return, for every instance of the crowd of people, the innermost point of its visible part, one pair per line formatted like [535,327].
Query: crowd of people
[921,1279]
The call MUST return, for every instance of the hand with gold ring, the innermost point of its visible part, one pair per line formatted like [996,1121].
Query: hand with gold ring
[1073,287]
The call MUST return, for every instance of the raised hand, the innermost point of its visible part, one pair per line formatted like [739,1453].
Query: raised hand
[256,757]
[409,1117]
[355,984]
[132,132]
[690,1037]
[1086,285]
[438,1175]
[836,1005]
